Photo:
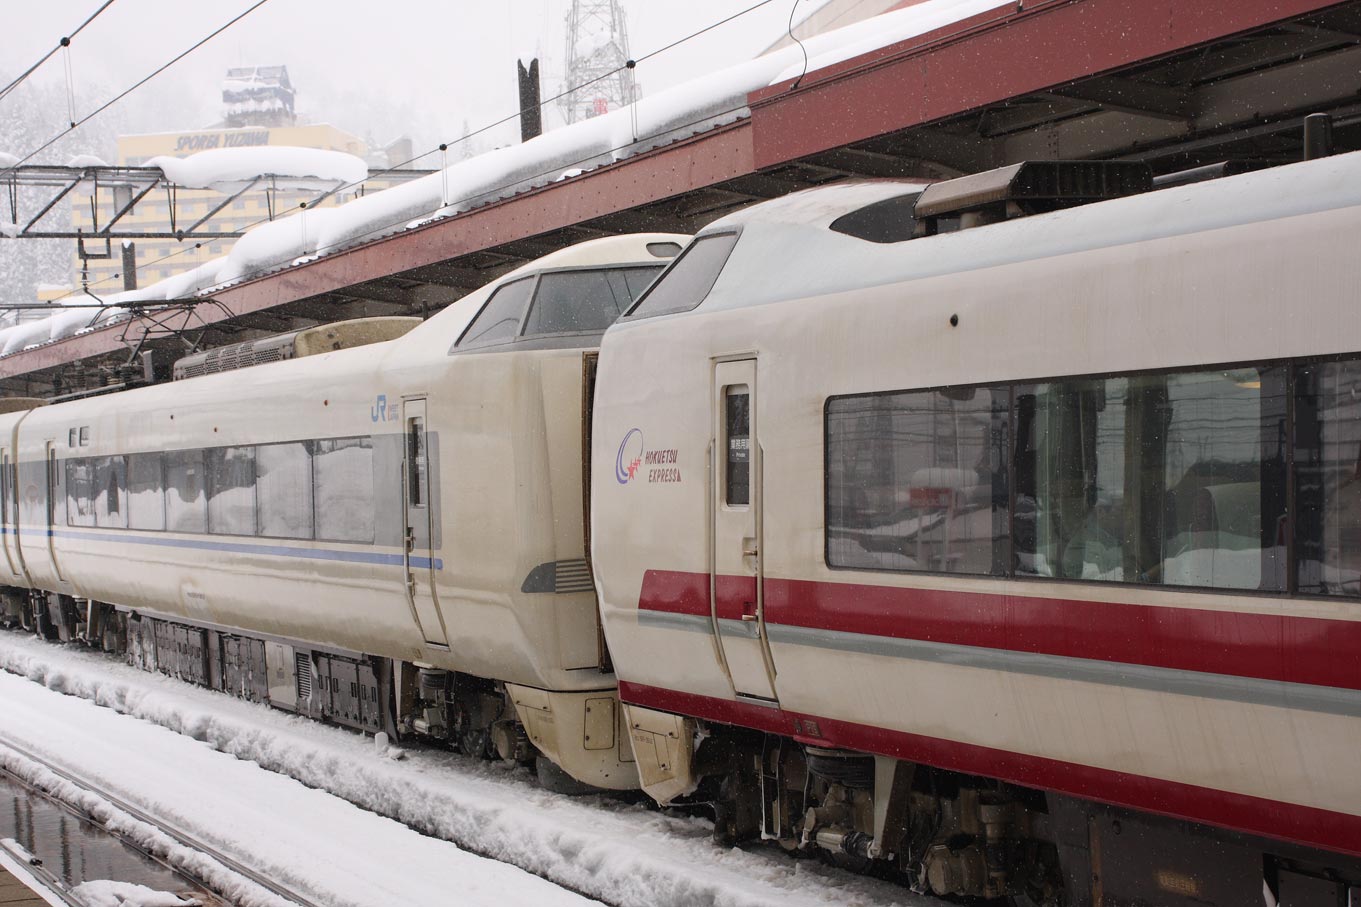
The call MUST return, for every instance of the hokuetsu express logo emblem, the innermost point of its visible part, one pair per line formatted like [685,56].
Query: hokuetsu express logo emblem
[630,457]
[633,456]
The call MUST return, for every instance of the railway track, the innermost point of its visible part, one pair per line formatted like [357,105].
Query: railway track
[482,817]
[172,830]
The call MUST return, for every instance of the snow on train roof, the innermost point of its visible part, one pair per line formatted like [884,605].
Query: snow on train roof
[782,255]
[702,104]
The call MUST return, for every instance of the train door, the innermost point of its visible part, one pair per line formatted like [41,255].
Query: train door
[9,524]
[419,557]
[53,490]
[736,583]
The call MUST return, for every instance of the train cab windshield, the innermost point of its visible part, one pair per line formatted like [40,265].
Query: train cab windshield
[689,279]
[563,303]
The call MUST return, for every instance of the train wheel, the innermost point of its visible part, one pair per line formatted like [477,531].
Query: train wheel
[475,742]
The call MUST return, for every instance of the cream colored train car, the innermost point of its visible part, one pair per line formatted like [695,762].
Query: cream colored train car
[391,536]
[1011,541]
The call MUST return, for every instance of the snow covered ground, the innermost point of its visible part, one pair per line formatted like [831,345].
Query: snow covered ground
[311,841]
[196,757]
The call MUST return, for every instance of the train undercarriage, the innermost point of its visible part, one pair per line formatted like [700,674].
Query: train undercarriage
[969,838]
[474,715]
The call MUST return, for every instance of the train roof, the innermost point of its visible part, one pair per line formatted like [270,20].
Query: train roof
[821,206]
[786,245]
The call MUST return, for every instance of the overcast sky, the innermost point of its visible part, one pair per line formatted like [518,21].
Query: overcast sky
[378,69]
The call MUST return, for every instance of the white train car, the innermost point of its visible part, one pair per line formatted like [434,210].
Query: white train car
[390,536]
[1022,552]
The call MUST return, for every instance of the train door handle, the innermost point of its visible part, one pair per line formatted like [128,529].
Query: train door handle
[749,612]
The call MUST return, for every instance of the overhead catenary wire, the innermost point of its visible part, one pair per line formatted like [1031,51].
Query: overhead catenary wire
[65,42]
[795,38]
[443,148]
[130,89]
[70,85]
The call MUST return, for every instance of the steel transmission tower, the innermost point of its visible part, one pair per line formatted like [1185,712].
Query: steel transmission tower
[597,58]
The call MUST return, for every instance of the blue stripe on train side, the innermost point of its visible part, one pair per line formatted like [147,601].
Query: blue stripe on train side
[315,554]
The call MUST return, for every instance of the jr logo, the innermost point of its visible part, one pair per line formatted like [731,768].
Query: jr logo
[379,412]
[629,458]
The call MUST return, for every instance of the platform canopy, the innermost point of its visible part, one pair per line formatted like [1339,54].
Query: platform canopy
[1178,85]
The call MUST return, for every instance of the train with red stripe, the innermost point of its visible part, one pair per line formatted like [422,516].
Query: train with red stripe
[1001,534]
[1005,531]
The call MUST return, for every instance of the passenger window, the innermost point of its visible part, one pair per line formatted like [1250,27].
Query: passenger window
[283,476]
[415,458]
[737,421]
[80,485]
[231,490]
[586,300]
[685,284]
[343,475]
[30,495]
[918,481]
[500,318]
[186,505]
[110,488]
[1328,478]
[1170,479]
[146,492]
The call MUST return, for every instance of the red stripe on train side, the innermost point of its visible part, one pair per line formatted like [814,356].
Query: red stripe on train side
[1304,825]
[1266,646]
[688,593]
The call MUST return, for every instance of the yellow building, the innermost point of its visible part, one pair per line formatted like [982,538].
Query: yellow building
[158,259]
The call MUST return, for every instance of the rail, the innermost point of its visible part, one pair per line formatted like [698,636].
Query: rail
[179,834]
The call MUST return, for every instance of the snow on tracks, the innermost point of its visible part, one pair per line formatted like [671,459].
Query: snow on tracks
[240,890]
[307,844]
[626,855]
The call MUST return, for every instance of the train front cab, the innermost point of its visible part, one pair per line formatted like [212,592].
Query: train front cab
[506,425]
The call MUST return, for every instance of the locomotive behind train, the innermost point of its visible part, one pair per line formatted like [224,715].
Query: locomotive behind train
[1002,533]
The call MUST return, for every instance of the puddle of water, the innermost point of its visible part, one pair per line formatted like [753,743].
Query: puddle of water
[76,851]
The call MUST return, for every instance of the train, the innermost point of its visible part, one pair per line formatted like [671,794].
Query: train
[1000,533]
